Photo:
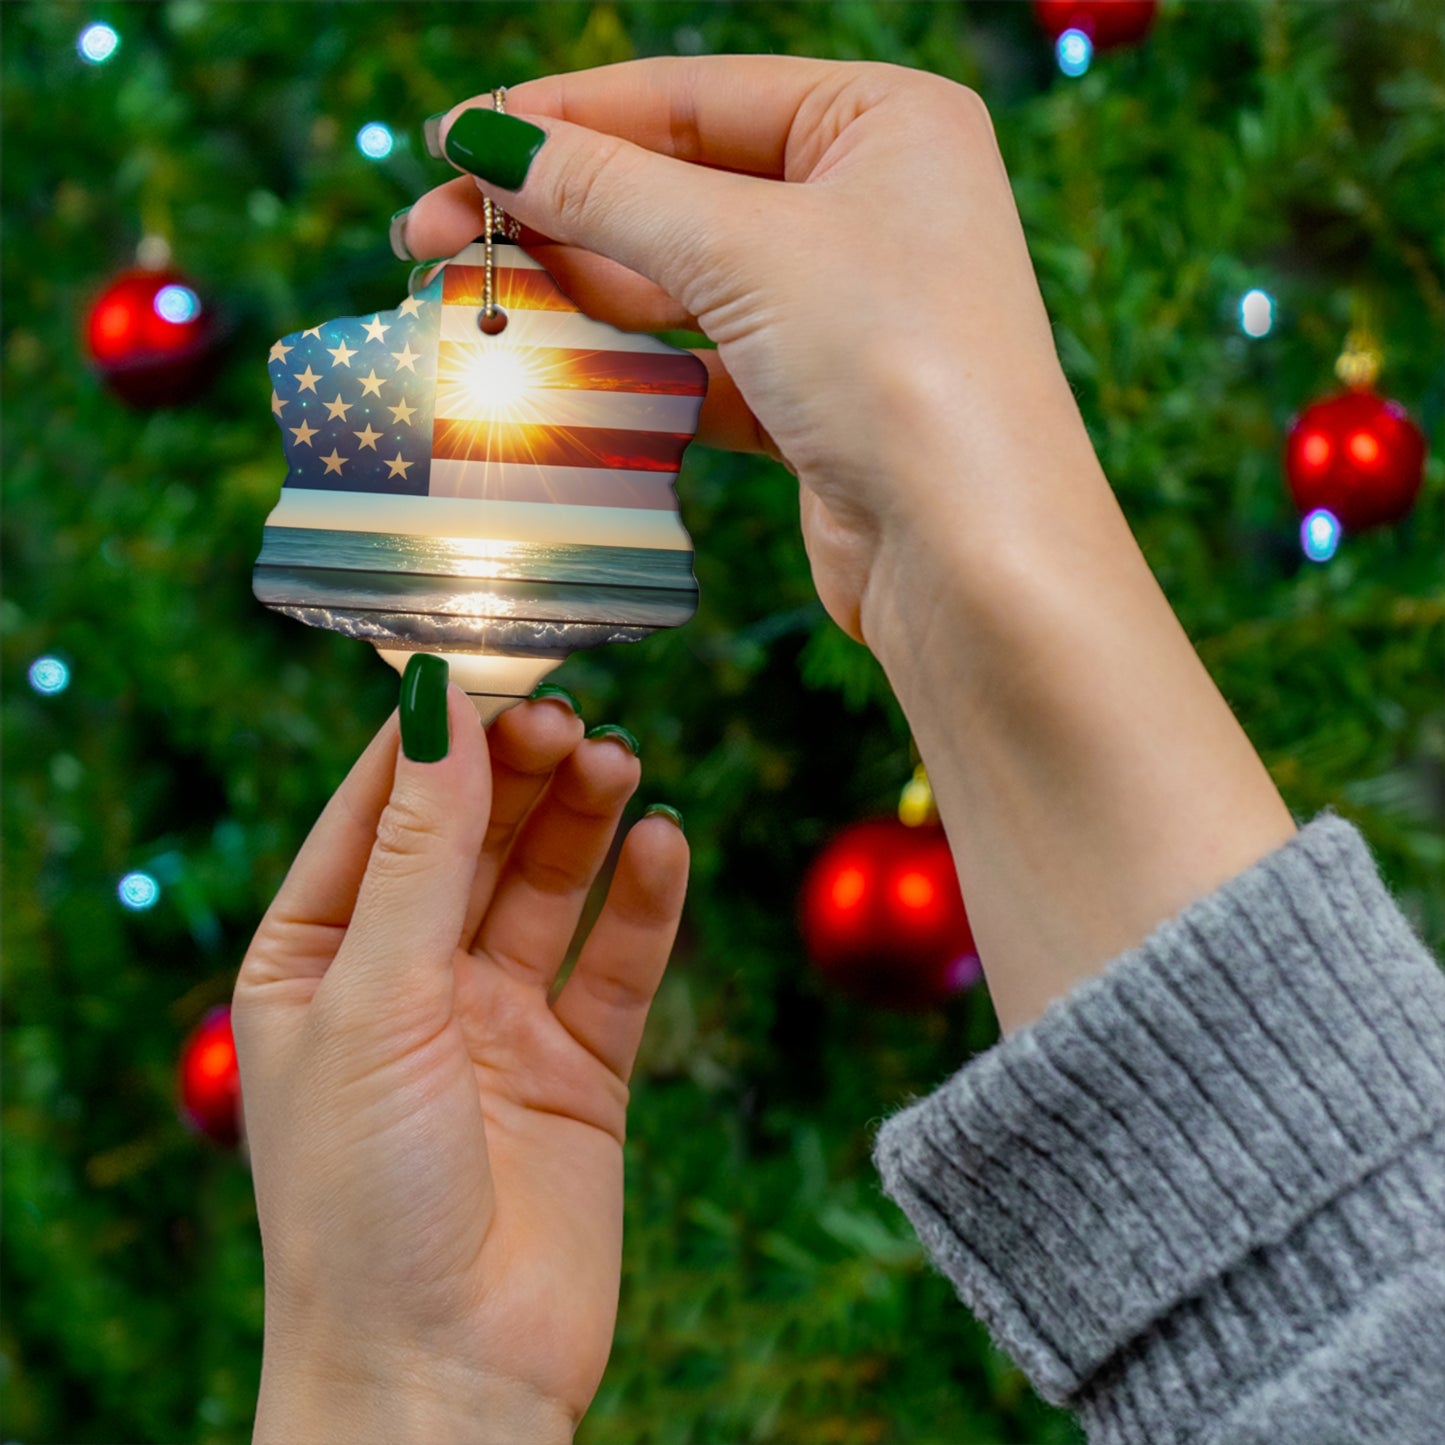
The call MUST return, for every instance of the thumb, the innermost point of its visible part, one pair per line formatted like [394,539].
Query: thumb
[664,218]
[413,897]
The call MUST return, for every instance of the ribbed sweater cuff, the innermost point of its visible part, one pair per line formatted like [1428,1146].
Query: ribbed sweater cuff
[1218,1098]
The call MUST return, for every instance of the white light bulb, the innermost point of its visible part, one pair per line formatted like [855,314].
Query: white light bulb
[375,140]
[177,304]
[1256,313]
[97,43]
[49,675]
[1319,535]
[1074,52]
[138,891]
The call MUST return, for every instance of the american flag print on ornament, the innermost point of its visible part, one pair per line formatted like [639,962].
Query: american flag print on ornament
[503,500]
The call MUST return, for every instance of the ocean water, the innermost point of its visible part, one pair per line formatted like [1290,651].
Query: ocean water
[574,562]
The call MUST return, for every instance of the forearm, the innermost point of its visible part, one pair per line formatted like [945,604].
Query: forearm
[1092,779]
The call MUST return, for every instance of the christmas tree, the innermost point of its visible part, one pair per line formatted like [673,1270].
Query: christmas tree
[161,727]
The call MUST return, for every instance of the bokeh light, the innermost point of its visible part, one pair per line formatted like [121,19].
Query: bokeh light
[1319,535]
[138,891]
[375,140]
[1256,313]
[849,887]
[97,43]
[49,675]
[1074,51]
[177,304]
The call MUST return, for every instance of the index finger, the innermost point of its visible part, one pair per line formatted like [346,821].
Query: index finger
[733,112]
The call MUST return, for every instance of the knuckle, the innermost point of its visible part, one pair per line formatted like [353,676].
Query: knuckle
[616,990]
[408,834]
[550,876]
[575,192]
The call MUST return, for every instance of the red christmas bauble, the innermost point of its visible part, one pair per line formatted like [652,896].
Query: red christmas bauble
[210,1081]
[883,918]
[152,338]
[1358,455]
[1107,23]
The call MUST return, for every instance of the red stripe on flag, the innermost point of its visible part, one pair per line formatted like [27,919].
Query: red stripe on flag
[567,368]
[650,373]
[527,290]
[558,446]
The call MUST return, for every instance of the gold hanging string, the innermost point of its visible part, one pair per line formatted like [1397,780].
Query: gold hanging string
[494,220]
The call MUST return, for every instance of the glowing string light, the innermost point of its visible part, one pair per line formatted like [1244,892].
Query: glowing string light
[49,675]
[375,140]
[1319,535]
[177,304]
[1074,51]
[1256,313]
[138,891]
[97,43]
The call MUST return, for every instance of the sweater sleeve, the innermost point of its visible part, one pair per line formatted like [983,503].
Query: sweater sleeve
[1202,1198]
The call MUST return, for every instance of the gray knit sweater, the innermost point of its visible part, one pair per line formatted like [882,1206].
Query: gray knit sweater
[1202,1199]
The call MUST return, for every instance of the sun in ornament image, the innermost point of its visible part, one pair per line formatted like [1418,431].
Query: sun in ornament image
[483,472]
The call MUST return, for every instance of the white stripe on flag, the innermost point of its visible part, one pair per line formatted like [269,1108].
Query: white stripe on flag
[567,329]
[572,486]
[560,406]
[542,522]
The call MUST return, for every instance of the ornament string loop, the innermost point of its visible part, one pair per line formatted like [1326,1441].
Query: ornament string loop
[494,221]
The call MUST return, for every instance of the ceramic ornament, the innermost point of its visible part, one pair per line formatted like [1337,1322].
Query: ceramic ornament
[500,497]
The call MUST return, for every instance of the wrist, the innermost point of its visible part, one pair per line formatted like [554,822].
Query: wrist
[1092,780]
[400,1398]
[984,537]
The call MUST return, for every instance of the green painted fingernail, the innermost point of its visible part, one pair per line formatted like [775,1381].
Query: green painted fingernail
[615,730]
[418,269]
[396,232]
[550,689]
[431,133]
[665,810]
[498,148]
[424,733]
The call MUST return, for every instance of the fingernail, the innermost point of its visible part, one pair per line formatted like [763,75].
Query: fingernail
[419,269]
[665,810]
[431,133]
[424,735]
[397,232]
[550,689]
[615,730]
[498,148]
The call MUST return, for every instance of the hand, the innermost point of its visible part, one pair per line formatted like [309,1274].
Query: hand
[437,1150]
[847,235]
[877,320]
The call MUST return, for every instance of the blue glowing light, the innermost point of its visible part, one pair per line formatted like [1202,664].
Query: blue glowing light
[1319,535]
[177,304]
[375,140]
[49,675]
[138,891]
[1074,52]
[1256,313]
[97,43]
